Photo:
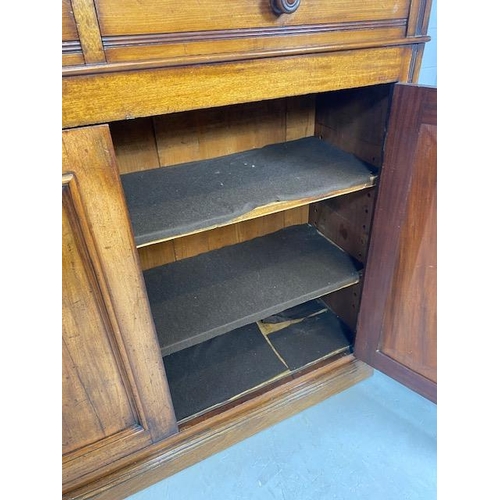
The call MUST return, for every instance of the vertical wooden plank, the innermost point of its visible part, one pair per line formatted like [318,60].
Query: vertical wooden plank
[191,245]
[346,220]
[345,303]
[222,236]
[135,145]
[89,31]
[157,255]
[259,227]
[300,117]
[295,216]
[204,134]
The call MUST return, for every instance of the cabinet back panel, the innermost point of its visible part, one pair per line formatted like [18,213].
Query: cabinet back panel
[195,244]
[167,140]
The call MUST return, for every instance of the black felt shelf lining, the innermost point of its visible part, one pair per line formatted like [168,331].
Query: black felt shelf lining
[170,201]
[221,369]
[202,297]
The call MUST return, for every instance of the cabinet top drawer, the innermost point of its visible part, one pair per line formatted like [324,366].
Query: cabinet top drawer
[134,17]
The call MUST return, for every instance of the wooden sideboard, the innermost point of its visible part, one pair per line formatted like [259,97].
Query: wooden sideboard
[249,222]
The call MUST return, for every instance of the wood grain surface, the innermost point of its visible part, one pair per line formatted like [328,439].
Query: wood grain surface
[108,97]
[127,17]
[115,395]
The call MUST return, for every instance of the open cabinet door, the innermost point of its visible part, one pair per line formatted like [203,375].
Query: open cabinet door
[397,331]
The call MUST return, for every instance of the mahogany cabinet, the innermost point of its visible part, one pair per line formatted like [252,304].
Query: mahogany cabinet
[248,222]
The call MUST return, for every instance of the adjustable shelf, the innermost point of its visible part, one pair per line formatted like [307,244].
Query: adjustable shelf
[171,201]
[199,298]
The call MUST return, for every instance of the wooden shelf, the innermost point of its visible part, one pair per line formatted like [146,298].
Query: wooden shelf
[167,202]
[199,298]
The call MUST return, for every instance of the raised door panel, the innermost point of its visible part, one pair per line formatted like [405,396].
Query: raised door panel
[397,327]
[96,402]
[115,394]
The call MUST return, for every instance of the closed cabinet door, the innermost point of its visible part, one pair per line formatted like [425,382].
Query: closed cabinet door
[397,326]
[115,396]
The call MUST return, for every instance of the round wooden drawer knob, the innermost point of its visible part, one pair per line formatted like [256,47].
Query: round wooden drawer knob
[284,6]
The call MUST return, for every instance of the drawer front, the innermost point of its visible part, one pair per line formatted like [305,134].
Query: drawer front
[164,29]
[130,17]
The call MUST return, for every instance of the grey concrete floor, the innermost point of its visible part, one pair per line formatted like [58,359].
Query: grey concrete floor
[374,441]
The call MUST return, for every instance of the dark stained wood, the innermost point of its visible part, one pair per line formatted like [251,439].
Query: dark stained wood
[346,220]
[397,320]
[345,303]
[115,395]
[355,120]
[199,440]
[415,272]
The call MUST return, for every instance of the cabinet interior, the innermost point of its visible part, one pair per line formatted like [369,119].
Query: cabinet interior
[258,280]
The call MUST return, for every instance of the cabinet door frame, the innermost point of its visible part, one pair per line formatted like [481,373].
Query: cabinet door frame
[413,113]
[102,237]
